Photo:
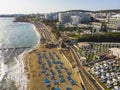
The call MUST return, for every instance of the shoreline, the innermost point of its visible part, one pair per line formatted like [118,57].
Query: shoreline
[36,81]
[21,57]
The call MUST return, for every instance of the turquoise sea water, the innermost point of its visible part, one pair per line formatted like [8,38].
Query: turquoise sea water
[14,34]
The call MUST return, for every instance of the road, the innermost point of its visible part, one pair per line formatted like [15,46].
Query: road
[89,82]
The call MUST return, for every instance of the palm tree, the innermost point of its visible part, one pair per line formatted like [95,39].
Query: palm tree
[56,32]
[79,30]
[104,27]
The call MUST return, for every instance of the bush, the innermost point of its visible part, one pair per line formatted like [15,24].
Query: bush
[106,37]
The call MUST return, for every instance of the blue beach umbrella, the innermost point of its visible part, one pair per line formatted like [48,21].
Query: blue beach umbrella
[53,72]
[47,84]
[50,65]
[61,63]
[47,74]
[43,71]
[39,61]
[61,66]
[62,80]
[60,75]
[54,62]
[57,88]
[56,67]
[59,71]
[69,73]
[66,69]
[73,82]
[52,77]
[57,62]
[68,88]
[46,80]
[55,82]
[69,78]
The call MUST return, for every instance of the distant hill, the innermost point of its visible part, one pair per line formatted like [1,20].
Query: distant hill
[75,11]
[11,15]
[106,11]
[103,11]
[78,11]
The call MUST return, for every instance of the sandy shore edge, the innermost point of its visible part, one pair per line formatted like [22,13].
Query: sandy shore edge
[24,81]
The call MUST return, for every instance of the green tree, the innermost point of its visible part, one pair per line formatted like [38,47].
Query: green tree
[104,27]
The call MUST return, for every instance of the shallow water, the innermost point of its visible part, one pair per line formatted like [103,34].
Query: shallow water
[13,34]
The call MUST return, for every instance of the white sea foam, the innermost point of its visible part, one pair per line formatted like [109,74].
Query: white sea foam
[22,78]
[15,70]
[3,70]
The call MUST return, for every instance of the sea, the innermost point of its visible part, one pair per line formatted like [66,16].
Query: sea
[13,36]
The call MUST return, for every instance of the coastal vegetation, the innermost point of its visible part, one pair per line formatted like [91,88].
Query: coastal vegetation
[105,37]
[27,18]
[22,19]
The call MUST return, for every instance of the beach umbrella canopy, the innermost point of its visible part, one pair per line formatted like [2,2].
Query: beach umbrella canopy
[47,74]
[93,68]
[57,88]
[55,82]
[61,66]
[43,71]
[97,64]
[57,62]
[66,68]
[59,71]
[116,88]
[68,88]
[60,75]
[112,73]
[52,77]
[68,77]
[47,84]
[102,70]
[105,64]
[108,74]
[118,78]
[46,80]
[103,77]
[56,67]
[42,66]
[73,82]
[114,80]
[97,67]
[52,72]
[109,82]
[50,65]
[62,80]
[61,63]
[97,73]
[69,73]
[101,66]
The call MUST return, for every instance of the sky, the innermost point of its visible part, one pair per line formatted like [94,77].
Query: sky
[47,6]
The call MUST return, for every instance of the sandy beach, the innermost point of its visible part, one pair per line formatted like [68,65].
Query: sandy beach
[20,59]
[32,70]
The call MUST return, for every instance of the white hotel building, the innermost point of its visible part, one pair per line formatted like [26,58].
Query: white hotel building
[114,21]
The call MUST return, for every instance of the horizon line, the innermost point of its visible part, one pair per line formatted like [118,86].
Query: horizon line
[58,11]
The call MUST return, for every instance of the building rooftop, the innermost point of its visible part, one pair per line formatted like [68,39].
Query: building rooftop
[115,51]
[117,15]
